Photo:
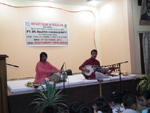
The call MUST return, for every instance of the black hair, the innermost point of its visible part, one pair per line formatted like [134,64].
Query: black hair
[94,50]
[125,92]
[85,109]
[116,97]
[145,94]
[129,100]
[74,107]
[41,55]
[102,105]
[50,109]
[148,111]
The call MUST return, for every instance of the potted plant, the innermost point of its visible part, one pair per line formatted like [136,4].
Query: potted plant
[144,83]
[50,97]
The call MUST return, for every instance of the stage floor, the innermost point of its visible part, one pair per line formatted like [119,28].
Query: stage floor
[77,80]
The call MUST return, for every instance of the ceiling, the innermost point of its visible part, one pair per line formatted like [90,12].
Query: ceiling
[76,2]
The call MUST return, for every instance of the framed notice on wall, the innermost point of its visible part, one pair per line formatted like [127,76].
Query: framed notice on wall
[145,13]
[43,33]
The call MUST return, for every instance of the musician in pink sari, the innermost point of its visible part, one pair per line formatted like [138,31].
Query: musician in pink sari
[44,69]
[93,62]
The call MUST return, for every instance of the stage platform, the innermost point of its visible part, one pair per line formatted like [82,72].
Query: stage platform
[77,88]
[77,80]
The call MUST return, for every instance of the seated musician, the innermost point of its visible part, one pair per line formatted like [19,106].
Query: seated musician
[93,62]
[44,69]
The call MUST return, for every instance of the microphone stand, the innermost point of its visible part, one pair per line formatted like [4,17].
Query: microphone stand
[116,64]
[12,65]
[63,76]
[119,65]
[63,80]
[120,76]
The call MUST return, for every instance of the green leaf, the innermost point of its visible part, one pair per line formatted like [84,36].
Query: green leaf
[39,96]
[140,84]
[33,103]
[37,106]
[45,105]
[52,96]
[62,104]
[60,109]
[59,97]
[53,90]
[40,99]
[43,89]
[148,87]
[148,78]
[142,87]
[49,90]
[58,92]
[42,94]
[38,109]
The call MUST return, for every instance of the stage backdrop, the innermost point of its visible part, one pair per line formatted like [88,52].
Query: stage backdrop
[12,39]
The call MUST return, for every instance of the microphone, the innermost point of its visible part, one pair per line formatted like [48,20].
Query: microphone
[62,66]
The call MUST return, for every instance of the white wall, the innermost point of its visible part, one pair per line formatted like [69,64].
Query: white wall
[137,28]
[114,34]
[82,32]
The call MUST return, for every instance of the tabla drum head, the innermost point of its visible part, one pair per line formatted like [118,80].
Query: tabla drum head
[55,77]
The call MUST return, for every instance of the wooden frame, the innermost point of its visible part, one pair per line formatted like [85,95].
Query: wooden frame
[145,13]
[3,85]
[141,53]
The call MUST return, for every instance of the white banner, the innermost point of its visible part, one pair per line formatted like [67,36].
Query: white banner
[43,33]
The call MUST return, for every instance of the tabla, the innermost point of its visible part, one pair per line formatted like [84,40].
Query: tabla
[56,77]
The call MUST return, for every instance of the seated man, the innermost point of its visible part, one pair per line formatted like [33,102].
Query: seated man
[44,69]
[93,62]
